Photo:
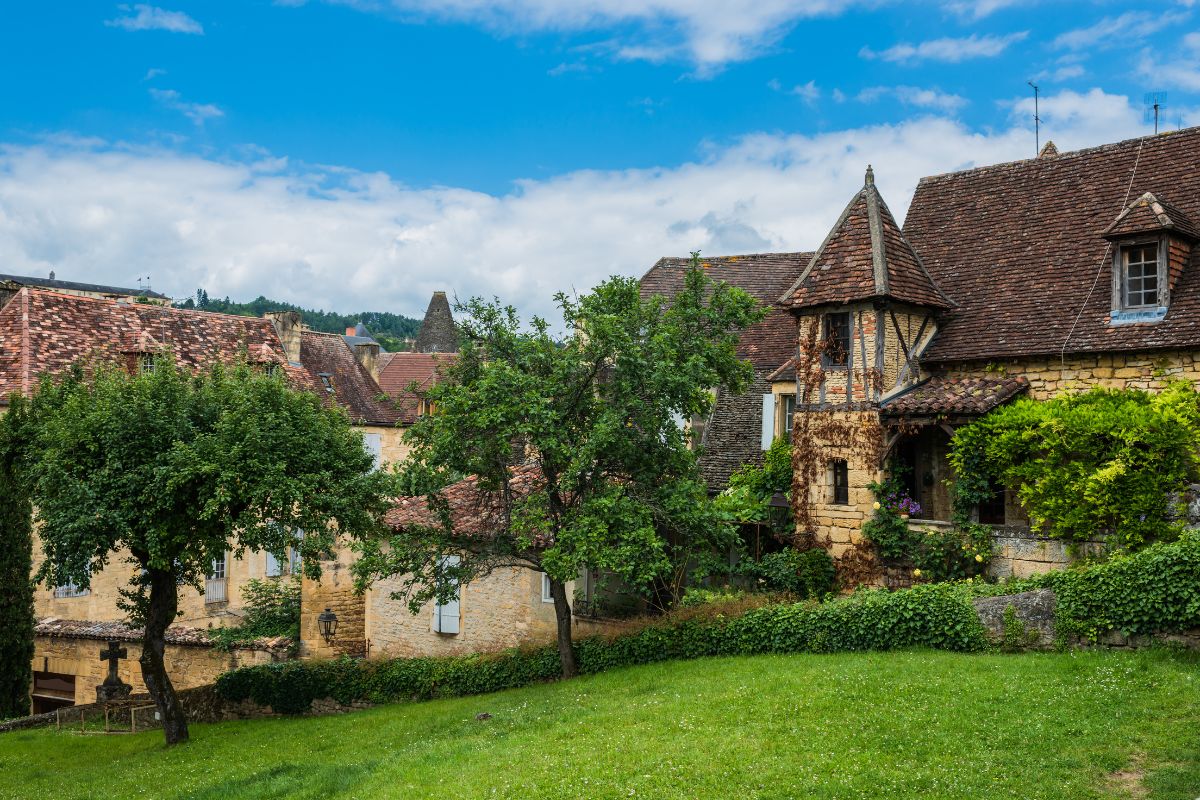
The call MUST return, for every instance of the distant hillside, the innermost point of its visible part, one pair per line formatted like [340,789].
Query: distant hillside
[390,330]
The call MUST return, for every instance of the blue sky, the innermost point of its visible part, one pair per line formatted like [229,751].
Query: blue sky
[362,154]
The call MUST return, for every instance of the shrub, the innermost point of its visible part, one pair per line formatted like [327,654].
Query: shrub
[802,573]
[272,609]
[1101,461]
[938,616]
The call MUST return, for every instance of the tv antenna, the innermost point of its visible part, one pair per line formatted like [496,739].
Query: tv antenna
[1037,120]
[142,288]
[1155,103]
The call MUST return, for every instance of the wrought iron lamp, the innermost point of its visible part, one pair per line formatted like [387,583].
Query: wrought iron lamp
[779,507]
[327,623]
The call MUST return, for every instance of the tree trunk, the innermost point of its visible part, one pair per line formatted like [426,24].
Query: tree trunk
[562,613]
[164,602]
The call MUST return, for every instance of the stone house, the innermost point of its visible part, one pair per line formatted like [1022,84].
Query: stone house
[1057,273]
[44,332]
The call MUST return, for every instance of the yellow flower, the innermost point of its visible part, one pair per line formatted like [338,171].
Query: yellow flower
[916,573]
[979,558]
[876,506]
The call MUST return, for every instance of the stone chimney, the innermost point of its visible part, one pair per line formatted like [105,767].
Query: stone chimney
[368,355]
[438,333]
[287,326]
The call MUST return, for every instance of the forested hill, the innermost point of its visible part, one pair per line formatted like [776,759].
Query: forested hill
[388,329]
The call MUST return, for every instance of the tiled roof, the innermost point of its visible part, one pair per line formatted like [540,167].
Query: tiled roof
[473,511]
[51,283]
[733,435]
[120,632]
[44,332]
[865,256]
[763,275]
[1149,214]
[1020,249]
[402,370]
[784,372]
[438,333]
[943,396]
[353,387]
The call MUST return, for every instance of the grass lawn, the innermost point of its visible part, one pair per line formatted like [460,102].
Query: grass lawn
[895,725]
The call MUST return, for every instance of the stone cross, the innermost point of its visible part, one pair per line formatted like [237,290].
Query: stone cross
[114,654]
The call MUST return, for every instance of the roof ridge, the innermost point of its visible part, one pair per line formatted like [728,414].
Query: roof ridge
[195,312]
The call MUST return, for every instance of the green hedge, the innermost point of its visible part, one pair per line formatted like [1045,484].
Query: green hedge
[938,616]
[1155,589]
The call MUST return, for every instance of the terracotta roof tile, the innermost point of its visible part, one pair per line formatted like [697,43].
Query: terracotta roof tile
[402,370]
[120,632]
[1020,248]
[353,387]
[1149,214]
[941,396]
[865,256]
[473,511]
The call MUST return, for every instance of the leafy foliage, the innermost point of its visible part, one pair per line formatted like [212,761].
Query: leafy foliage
[1104,461]
[272,609]
[800,573]
[927,616]
[1154,589]
[935,554]
[170,470]
[16,566]
[752,486]
[574,443]
[387,328]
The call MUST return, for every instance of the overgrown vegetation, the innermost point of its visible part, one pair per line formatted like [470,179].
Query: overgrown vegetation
[1105,461]
[272,609]
[387,328]
[16,566]
[934,553]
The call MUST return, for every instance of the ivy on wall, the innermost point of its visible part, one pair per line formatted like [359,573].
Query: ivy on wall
[1105,461]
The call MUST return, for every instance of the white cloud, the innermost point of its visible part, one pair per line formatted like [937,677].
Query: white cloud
[143,17]
[1126,30]
[706,33]
[154,72]
[978,9]
[947,49]
[914,96]
[199,113]
[337,238]
[1182,72]
[808,92]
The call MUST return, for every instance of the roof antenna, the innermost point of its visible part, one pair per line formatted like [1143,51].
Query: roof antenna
[1037,120]
[145,288]
[1155,103]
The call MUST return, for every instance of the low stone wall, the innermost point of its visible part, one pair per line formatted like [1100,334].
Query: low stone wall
[1019,553]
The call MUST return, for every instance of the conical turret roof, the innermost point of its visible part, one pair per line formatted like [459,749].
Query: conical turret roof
[864,257]
[437,334]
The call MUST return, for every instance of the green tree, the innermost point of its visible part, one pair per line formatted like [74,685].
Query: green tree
[16,565]
[168,471]
[574,444]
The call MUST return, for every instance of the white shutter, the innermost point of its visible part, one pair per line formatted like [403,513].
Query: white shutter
[373,444]
[445,615]
[768,420]
[272,570]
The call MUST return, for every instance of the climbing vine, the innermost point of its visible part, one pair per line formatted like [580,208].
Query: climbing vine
[1105,461]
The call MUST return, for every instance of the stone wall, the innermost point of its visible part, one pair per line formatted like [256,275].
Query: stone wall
[188,665]
[502,610]
[1050,376]
[333,590]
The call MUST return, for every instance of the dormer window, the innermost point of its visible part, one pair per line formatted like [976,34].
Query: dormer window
[326,381]
[836,338]
[1139,278]
[145,364]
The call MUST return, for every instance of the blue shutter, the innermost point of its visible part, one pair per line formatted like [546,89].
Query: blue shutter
[768,420]
[446,615]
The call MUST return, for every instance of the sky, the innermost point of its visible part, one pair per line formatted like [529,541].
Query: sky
[360,154]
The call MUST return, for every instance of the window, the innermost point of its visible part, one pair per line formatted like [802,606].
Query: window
[373,444]
[291,563]
[326,381]
[841,482]
[446,615]
[69,590]
[145,364]
[789,411]
[546,596]
[1139,275]
[214,586]
[837,340]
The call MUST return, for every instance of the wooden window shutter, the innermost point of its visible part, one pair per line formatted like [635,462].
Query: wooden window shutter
[768,420]
[446,615]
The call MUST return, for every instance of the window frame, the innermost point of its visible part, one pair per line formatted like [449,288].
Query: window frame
[546,596]
[839,490]
[1122,312]
[1126,278]
[441,620]
[787,403]
[840,359]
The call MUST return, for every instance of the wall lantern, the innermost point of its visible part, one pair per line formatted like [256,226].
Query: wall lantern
[779,506]
[327,624]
